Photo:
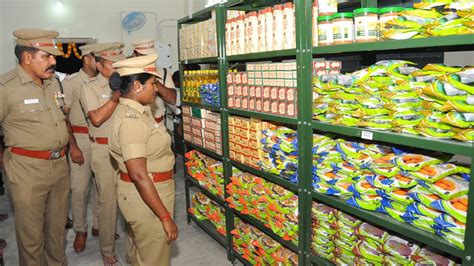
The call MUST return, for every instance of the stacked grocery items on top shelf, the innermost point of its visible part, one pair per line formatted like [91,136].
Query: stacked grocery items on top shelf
[257,248]
[198,40]
[203,208]
[435,101]
[426,191]
[208,172]
[270,29]
[264,146]
[425,19]
[345,240]
[203,128]
[272,205]
[202,87]
[265,87]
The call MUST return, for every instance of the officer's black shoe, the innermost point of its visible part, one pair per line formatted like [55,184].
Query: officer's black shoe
[69,223]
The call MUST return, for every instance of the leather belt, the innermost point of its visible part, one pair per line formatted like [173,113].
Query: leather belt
[157,177]
[159,119]
[45,155]
[79,129]
[103,141]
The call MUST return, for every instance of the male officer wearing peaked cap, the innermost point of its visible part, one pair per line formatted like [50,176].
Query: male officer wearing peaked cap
[80,159]
[166,91]
[36,139]
[99,104]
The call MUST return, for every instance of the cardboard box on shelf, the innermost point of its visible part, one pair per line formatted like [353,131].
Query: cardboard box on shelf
[282,108]
[252,104]
[259,105]
[197,122]
[197,132]
[274,93]
[187,128]
[186,110]
[187,119]
[231,90]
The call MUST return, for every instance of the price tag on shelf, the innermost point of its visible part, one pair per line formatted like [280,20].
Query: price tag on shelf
[367,135]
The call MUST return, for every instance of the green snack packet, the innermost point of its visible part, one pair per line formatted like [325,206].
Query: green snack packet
[428,257]
[393,261]
[448,223]
[424,223]
[380,123]
[385,171]
[369,253]
[459,106]
[449,187]
[366,202]
[444,91]
[433,120]
[460,120]
[422,210]
[369,231]
[400,248]
[455,239]
[368,112]
[423,195]
[435,133]
[414,162]
[464,134]
[457,207]
[406,130]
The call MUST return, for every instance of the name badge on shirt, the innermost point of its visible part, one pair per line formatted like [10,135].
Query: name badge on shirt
[30,101]
[105,96]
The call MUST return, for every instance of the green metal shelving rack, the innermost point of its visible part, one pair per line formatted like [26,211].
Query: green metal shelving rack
[304,54]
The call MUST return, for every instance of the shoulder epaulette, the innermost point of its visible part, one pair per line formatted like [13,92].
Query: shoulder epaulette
[69,77]
[131,113]
[7,77]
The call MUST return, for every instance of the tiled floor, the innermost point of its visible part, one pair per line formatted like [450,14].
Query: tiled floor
[194,246]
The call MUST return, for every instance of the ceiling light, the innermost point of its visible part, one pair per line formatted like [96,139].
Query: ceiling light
[59,3]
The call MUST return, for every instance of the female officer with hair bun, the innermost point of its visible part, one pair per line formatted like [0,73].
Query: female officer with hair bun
[142,149]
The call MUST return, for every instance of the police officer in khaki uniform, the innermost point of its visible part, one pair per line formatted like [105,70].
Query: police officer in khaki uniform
[166,93]
[99,103]
[81,172]
[142,148]
[36,138]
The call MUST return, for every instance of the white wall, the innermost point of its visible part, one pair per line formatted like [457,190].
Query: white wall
[83,18]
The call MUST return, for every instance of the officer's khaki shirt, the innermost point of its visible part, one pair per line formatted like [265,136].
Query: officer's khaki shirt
[72,89]
[135,134]
[95,93]
[31,115]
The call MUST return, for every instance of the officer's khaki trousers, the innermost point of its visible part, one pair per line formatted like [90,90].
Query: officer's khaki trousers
[80,184]
[151,247]
[104,172]
[39,194]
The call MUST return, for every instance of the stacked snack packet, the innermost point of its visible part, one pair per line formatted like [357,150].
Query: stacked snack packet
[418,189]
[436,101]
[280,152]
[432,18]
[345,240]
[207,171]
[206,209]
[273,205]
[258,248]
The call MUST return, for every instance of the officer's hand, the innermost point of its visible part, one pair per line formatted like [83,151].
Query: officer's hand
[171,229]
[76,155]
[116,95]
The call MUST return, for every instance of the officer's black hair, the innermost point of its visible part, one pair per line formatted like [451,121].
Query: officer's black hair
[175,76]
[20,49]
[124,84]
